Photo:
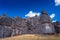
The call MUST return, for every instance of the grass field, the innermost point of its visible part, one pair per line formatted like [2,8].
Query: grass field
[33,37]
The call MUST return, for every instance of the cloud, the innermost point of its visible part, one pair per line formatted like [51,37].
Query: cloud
[54,21]
[57,2]
[52,16]
[32,14]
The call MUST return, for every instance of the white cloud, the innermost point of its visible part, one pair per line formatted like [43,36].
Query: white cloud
[32,14]
[57,2]
[54,21]
[52,16]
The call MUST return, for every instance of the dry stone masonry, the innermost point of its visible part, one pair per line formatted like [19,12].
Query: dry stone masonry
[30,25]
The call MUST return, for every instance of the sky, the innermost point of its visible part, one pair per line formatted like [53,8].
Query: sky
[23,8]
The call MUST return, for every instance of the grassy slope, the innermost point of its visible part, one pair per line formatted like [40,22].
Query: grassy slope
[33,37]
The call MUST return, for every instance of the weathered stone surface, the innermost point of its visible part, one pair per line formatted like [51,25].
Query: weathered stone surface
[33,24]
[19,31]
[45,18]
[57,27]
[19,26]
[30,25]
[48,28]
[5,20]
[5,31]
[46,23]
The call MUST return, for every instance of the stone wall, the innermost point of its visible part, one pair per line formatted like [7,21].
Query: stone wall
[30,25]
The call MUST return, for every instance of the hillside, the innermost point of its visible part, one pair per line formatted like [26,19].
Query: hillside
[33,37]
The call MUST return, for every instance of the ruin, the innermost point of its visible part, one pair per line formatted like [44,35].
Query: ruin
[30,25]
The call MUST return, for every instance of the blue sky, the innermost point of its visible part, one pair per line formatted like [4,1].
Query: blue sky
[22,7]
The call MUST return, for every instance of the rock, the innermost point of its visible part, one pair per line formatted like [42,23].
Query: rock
[5,20]
[5,31]
[48,28]
[45,18]
[33,24]
[30,25]
[1,32]
[19,26]
[46,24]
[18,20]
[57,27]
